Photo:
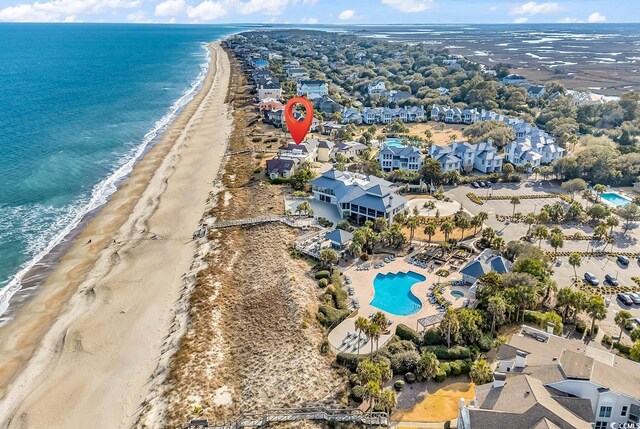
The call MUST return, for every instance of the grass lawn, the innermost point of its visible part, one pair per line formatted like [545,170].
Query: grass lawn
[440,406]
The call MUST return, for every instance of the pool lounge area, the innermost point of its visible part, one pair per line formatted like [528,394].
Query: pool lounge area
[615,199]
[392,293]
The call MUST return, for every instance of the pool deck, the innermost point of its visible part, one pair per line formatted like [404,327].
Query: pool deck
[362,283]
[619,194]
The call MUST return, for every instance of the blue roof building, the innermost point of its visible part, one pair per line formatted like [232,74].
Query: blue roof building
[485,263]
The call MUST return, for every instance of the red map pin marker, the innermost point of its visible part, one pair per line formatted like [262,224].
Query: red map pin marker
[298,129]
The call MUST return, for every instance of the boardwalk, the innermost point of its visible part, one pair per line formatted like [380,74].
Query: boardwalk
[296,222]
[377,419]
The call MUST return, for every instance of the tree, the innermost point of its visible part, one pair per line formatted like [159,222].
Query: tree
[599,232]
[481,372]
[463,223]
[629,213]
[374,332]
[575,260]
[540,232]
[612,221]
[507,169]
[564,298]
[557,242]
[303,207]
[447,227]
[449,326]
[497,307]
[622,319]
[598,212]
[599,189]
[530,219]
[470,325]
[596,309]
[635,334]
[579,302]
[514,201]
[328,257]
[634,352]
[482,217]
[361,326]
[427,366]
[574,185]
[388,400]
[430,229]
[412,224]
[371,393]
[442,273]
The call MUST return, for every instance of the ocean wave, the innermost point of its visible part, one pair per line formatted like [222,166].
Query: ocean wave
[101,192]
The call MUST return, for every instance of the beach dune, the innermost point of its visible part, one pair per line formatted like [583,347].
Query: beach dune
[88,349]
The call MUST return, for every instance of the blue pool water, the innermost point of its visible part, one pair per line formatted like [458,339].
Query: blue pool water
[395,142]
[392,293]
[615,199]
[457,293]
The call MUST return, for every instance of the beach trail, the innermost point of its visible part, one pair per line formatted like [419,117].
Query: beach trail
[84,351]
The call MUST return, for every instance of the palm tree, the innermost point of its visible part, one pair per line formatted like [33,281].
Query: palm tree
[430,229]
[497,307]
[564,298]
[481,372]
[442,273]
[530,219]
[482,218]
[596,309]
[621,319]
[498,243]
[361,326]
[412,224]
[612,221]
[586,195]
[449,325]
[599,189]
[371,392]
[575,260]
[463,223]
[427,366]
[380,320]
[540,232]
[388,400]
[579,302]
[515,201]
[374,334]
[536,171]
[447,228]
[556,241]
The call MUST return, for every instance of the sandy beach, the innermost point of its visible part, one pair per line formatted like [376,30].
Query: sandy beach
[89,347]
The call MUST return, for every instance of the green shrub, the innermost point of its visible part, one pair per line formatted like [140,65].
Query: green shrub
[622,348]
[357,393]
[410,377]
[404,362]
[440,376]
[432,338]
[406,333]
[349,360]
[324,222]
[456,352]
[323,283]
[485,343]
[596,328]
[324,274]
[330,316]
[581,327]
[354,380]
[446,368]
[534,317]
[279,181]
[607,340]
[395,346]
[447,424]
[456,367]
[398,385]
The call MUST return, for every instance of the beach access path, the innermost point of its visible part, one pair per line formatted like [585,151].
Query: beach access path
[83,353]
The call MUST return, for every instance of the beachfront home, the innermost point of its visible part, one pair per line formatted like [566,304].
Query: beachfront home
[537,149]
[270,104]
[325,148]
[326,104]
[397,96]
[312,88]
[513,79]
[349,149]
[466,157]
[454,115]
[305,151]
[407,158]
[558,380]
[351,115]
[358,197]
[339,239]
[484,263]
[376,88]
[269,89]
[281,167]
[297,73]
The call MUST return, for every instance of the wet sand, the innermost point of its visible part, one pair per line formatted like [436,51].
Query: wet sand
[86,348]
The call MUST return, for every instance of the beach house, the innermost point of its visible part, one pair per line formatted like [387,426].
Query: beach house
[536,92]
[484,263]
[326,104]
[269,89]
[454,115]
[297,73]
[466,157]
[358,197]
[312,88]
[536,148]
[547,381]
[281,167]
[376,88]
[408,158]
[305,151]
[513,79]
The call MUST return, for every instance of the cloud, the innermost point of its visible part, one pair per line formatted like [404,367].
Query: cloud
[309,20]
[347,14]
[170,8]
[268,7]
[409,6]
[596,17]
[137,16]
[521,20]
[568,20]
[207,11]
[532,8]
[61,10]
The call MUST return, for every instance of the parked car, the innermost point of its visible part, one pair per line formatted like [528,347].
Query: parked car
[635,297]
[482,185]
[591,279]
[623,260]
[488,184]
[475,185]
[611,280]
[622,297]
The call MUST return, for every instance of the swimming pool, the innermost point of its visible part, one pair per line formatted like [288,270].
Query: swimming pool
[392,293]
[395,142]
[615,199]
[457,294]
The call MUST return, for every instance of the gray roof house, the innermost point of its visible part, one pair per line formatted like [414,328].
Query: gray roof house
[326,104]
[281,167]
[465,157]
[339,238]
[555,382]
[483,264]
[407,158]
[358,197]
[513,79]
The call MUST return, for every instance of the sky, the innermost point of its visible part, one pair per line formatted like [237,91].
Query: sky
[321,11]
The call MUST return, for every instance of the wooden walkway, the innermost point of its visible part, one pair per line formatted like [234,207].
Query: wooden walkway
[377,419]
[296,222]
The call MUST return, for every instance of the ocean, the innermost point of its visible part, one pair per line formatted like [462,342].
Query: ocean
[79,103]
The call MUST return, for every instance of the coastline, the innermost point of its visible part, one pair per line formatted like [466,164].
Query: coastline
[96,331]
